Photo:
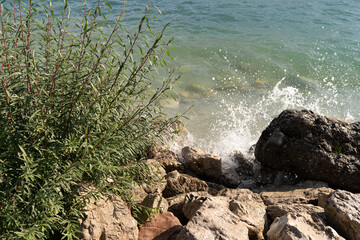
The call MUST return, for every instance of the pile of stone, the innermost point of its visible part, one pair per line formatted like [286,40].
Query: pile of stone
[301,183]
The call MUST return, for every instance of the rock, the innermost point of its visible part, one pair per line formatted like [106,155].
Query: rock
[245,167]
[192,202]
[214,221]
[305,193]
[250,209]
[301,226]
[175,206]
[163,227]
[157,175]
[169,160]
[178,183]
[279,210]
[108,219]
[155,204]
[314,147]
[203,164]
[214,188]
[342,210]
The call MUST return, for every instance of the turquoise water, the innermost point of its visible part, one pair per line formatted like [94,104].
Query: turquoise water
[244,61]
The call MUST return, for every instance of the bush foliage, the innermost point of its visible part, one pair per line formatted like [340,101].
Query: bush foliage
[76,106]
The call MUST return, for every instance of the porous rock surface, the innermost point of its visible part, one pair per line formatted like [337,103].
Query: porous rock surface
[314,147]
[342,210]
[108,219]
[301,226]
[214,221]
[249,207]
[178,183]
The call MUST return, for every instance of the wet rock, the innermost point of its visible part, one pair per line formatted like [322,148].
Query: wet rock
[108,219]
[296,226]
[202,163]
[314,147]
[162,227]
[214,221]
[305,193]
[249,207]
[342,210]
[178,183]
[245,166]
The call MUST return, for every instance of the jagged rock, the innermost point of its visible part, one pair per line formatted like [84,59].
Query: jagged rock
[163,227]
[156,202]
[245,167]
[178,183]
[192,202]
[214,188]
[249,207]
[306,192]
[214,221]
[108,219]
[301,226]
[314,147]
[279,210]
[342,210]
[203,164]
[169,160]
[157,175]
[175,206]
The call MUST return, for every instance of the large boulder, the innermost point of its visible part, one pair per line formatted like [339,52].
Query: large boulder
[342,210]
[214,221]
[299,226]
[178,183]
[162,227]
[202,163]
[314,147]
[108,219]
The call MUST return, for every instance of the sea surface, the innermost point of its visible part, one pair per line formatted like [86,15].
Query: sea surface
[245,61]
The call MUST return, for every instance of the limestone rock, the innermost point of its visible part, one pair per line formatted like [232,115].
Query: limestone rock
[203,164]
[249,207]
[342,210]
[288,194]
[156,202]
[314,147]
[296,226]
[192,202]
[169,160]
[214,221]
[279,210]
[108,219]
[178,183]
[162,227]
[157,175]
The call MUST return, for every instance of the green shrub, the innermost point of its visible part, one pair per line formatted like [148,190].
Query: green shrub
[76,106]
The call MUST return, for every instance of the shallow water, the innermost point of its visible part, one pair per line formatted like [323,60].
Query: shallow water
[243,62]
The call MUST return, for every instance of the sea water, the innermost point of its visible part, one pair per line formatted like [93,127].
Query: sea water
[245,61]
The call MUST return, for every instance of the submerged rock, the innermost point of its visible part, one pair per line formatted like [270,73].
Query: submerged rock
[314,147]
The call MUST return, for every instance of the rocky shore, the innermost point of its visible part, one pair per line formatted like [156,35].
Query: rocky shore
[301,182]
